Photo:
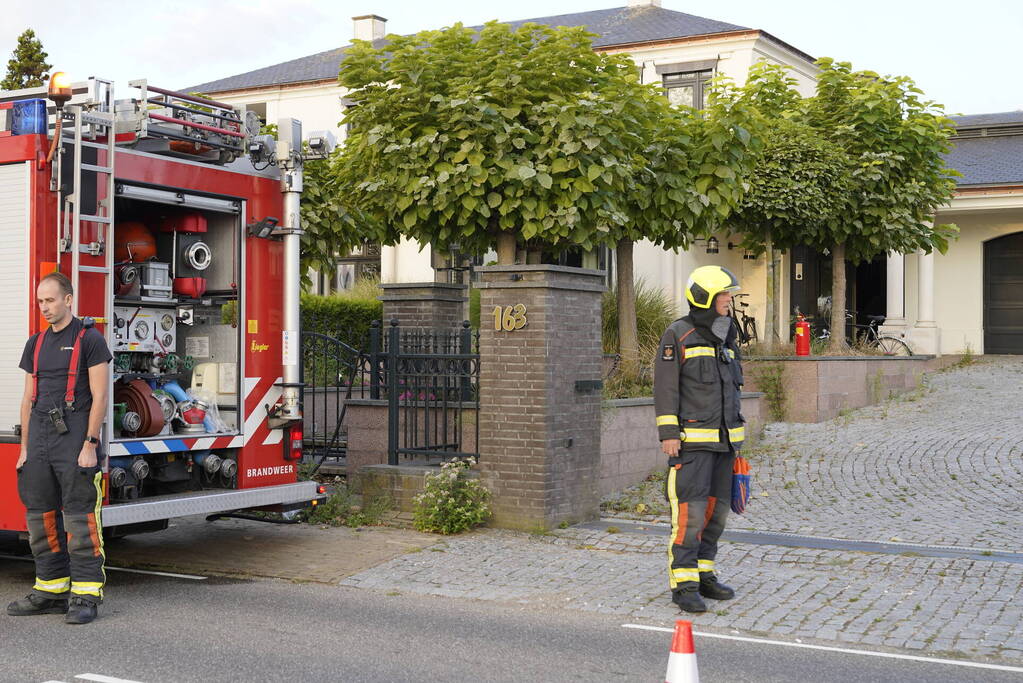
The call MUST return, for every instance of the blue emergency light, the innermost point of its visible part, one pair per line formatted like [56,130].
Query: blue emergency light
[28,117]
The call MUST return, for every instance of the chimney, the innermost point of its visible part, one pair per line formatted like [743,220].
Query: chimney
[369,27]
[644,3]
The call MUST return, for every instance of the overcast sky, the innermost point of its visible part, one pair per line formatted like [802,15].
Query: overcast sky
[965,55]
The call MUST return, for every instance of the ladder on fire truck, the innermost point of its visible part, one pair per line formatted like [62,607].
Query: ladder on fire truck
[93,127]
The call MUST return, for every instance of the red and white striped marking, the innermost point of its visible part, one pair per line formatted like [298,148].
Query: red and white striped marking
[254,422]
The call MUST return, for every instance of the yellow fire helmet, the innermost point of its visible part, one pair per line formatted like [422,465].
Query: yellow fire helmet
[706,282]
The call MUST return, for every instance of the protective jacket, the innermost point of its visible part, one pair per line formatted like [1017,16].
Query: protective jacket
[697,388]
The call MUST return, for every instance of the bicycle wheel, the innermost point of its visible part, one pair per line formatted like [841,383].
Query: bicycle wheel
[750,327]
[890,346]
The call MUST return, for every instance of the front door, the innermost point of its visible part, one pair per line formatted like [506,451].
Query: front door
[1003,294]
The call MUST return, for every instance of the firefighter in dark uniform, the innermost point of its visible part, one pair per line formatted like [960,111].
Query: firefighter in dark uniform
[59,477]
[697,380]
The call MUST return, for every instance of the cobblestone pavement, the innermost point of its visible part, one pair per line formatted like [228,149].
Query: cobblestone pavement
[935,607]
[943,465]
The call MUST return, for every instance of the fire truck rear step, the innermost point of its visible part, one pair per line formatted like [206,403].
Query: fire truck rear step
[207,502]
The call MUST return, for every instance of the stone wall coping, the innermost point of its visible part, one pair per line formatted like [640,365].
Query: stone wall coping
[422,297]
[367,402]
[805,359]
[414,470]
[627,402]
[422,285]
[383,403]
[540,267]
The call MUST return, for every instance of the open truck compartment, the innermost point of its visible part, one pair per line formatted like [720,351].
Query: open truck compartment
[166,228]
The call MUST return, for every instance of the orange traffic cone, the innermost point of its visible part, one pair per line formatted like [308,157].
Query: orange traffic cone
[682,660]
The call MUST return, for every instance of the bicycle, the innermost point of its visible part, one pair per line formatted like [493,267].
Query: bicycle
[745,325]
[871,336]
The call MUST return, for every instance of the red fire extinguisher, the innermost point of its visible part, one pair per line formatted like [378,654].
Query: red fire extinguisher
[802,337]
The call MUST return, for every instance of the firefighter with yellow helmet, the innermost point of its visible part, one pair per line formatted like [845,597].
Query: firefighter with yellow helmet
[697,384]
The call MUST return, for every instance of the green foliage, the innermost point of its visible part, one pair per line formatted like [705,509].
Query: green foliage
[474,308]
[460,136]
[895,143]
[654,312]
[770,379]
[27,67]
[229,314]
[341,509]
[451,502]
[633,380]
[343,316]
[860,164]
[798,179]
[331,229]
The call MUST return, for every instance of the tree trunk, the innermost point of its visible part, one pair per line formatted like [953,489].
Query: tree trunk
[838,298]
[628,334]
[506,248]
[534,255]
[780,330]
[772,303]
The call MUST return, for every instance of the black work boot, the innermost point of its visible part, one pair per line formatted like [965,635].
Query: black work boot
[688,598]
[36,604]
[711,588]
[80,612]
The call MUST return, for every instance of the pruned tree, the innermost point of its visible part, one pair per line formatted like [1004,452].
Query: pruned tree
[895,142]
[797,180]
[519,137]
[27,67]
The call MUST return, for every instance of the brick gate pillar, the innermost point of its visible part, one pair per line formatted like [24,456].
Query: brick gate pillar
[425,304]
[540,399]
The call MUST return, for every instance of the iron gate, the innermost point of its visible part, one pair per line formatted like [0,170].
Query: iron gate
[330,370]
[431,382]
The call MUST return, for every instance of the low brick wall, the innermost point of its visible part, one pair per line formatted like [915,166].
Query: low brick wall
[819,388]
[629,448]
[366,420]
[401,484]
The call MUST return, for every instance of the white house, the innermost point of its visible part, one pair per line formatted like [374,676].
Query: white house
[941,303]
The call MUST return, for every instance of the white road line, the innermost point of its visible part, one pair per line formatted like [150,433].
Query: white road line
[100,678]
[842,650]
[191,577]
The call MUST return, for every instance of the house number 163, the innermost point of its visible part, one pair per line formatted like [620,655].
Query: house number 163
[509,318]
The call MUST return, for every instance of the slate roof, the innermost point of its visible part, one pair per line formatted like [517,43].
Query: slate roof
[996,160]
[617,26]
[990,151]
[983,120]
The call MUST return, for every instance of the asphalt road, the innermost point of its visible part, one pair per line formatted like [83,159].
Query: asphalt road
[156,628]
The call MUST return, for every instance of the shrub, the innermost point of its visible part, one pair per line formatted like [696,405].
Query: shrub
[340,509]
[474,308]
[654,312]
[345,316]
[451,502]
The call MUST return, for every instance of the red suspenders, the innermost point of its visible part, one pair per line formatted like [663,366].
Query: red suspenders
[72,370]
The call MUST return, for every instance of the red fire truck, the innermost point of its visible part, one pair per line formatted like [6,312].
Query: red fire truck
[178,226]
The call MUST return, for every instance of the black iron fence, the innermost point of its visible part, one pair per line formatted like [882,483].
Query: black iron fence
[430,379]
[331,370]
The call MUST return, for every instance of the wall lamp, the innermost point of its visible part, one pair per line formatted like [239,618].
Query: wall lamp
[747,254]
[262,229]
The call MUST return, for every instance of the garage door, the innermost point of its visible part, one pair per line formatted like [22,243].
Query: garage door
[1003,294]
